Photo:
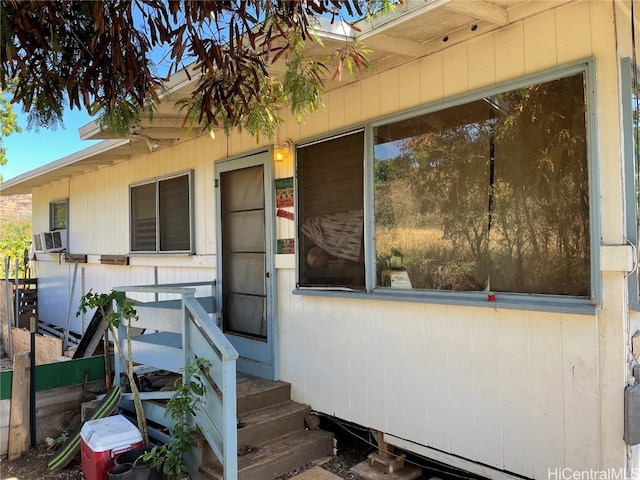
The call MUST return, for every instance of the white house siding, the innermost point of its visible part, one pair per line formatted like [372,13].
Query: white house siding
[98,225]
[516,390]
[513,390]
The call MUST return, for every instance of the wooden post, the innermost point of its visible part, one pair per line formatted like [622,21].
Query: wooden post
[384,449]
[107,361]
[19,412]
[33,328]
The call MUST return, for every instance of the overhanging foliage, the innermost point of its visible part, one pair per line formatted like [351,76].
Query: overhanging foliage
[99,56]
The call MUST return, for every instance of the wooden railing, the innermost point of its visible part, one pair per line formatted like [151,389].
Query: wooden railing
[201,338]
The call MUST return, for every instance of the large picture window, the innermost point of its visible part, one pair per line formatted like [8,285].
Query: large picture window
[161,215]
[489,195]
[631,119]
[331,213]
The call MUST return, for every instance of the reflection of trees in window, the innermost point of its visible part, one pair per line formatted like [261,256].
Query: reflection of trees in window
[58,214]
[635,114]
[499,193]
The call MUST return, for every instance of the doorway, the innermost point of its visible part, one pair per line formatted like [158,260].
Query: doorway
[246,273]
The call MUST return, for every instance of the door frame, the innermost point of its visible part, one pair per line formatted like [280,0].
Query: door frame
[262,157]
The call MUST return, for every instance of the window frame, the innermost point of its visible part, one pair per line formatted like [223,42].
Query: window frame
[631,211]
[299,203]
[520,301]
[156,181]
[52,206]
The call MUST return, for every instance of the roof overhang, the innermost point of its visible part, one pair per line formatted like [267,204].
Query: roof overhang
[107,152]
[414,29]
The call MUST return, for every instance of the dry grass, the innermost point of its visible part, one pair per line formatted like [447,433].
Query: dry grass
[411,242]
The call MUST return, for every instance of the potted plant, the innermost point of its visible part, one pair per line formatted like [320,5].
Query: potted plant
[123,310]
[169,457]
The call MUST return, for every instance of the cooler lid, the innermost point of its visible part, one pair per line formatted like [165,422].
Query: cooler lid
[109,433]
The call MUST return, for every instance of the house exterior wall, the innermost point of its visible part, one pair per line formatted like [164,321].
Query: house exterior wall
[521,391]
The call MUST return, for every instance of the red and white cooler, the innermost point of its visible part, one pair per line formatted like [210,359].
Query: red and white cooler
[102,440]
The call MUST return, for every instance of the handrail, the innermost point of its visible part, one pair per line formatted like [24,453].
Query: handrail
[217,338]
[155,289]
[216,416]
[202,338]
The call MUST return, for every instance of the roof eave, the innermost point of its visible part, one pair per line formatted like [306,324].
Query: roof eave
[34,178]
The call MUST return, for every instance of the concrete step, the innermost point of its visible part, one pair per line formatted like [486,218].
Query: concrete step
[277,456]
[256,393]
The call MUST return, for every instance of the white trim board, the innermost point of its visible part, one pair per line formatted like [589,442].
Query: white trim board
[448,459]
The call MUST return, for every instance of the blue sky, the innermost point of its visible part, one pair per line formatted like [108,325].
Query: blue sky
[31,149]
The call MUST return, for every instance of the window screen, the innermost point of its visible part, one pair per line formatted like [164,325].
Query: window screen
[161,215]
[331,213]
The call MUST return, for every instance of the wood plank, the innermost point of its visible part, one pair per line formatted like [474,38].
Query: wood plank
[400,46]
[3,304]
[93,335]
[114,259]
[515,394]
[574,32]
[414,372]
[47,348]
[456,70]
[580,392]
[547,403]
[437,367]
[408,91]
[52,415]
[540,44]
[486,388]
[395,388]
[509,52]
[431,78]
[461,389]
[355,330]
[71,393]
[390,84]
[481,10]
[75,258]
[482,61]
[19,412]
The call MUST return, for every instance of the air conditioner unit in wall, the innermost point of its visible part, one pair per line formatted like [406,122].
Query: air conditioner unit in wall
[54,241]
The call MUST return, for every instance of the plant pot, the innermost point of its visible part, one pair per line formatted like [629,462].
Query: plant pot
[141,470]
[124,471]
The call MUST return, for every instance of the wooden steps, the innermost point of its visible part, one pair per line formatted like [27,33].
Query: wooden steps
[272,438]
[279,456]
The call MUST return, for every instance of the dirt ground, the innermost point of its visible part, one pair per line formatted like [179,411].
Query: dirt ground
[33,466]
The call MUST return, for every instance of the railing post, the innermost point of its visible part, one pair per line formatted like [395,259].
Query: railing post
[118,367]
[196,322]
[188,356]
[186,341]
[230,427]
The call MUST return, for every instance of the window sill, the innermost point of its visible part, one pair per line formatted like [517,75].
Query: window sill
[571,305]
